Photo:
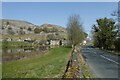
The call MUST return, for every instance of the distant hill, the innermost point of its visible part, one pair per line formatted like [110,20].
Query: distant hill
[55,28]
[16,23]
[15,27]
[18,28]
[54,31]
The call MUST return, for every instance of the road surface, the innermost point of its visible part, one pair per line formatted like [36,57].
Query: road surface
[101,63]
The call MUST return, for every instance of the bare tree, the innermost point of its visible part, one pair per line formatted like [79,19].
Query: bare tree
[74,28]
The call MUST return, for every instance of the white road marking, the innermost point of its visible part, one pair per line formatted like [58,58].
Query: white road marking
[109,59]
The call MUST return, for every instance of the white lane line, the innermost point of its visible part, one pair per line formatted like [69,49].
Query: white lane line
[109,59]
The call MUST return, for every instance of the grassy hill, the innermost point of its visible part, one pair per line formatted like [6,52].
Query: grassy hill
[16,29]
[16,23]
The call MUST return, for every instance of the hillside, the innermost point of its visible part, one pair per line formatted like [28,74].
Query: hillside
[16,29]
[16,23]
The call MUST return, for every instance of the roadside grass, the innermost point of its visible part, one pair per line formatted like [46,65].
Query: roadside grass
[0,70]
[50,65]
[85,68]
[87,72]
[0,45]
[110,52]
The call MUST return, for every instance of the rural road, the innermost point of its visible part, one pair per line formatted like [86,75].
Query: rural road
[101,63]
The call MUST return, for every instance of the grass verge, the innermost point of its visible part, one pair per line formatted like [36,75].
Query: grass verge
[51,65]
[84,67]
[15,44]
[110,52]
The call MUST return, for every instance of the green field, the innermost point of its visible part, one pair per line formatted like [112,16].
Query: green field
[50,65]
[23,36]
[15,44]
